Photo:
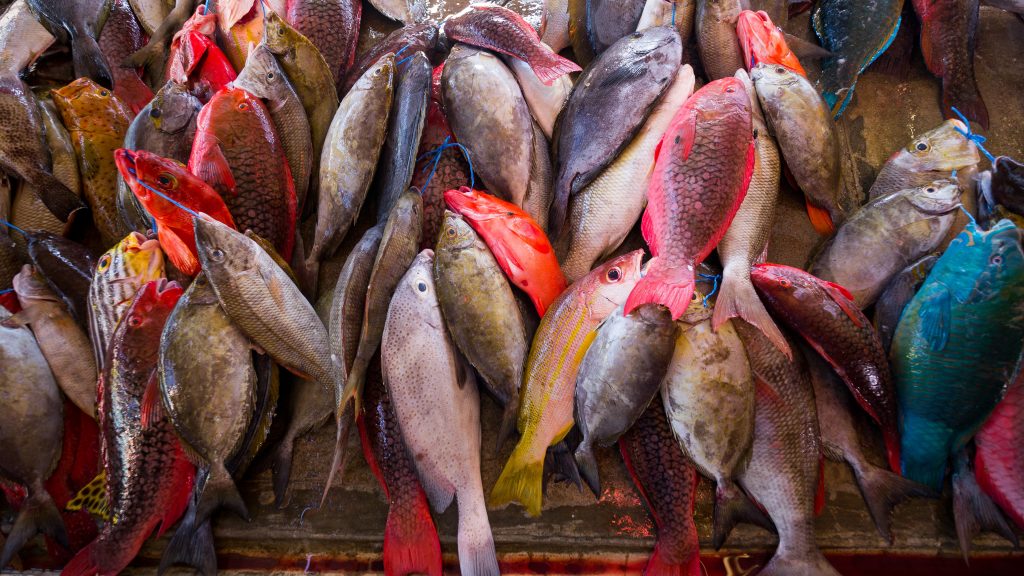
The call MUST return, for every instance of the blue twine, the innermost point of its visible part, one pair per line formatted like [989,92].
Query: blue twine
[263,7]
[173,202]
[968,214]
[978,139]
[436,153]
[13,227]
[673,13]
[206,8]
[715,278]
[403,49]
[403,61]
[7,291]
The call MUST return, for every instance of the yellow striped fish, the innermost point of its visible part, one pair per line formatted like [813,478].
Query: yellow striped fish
[549,383]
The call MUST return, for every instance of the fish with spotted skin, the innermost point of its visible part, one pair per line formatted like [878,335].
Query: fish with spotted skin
[121,36]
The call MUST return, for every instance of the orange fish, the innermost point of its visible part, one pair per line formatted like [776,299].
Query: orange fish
[145,172]
[763,41]
[519,245]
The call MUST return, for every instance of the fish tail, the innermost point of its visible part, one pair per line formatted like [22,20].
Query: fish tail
[964,96]
[416,551]
[509,420]
[521,480]
[338,461]
[882,491]
[820,219]
[475,541]
[192,545]
[38,515]
[281,465]
[220,492]
[660,565]
[89,60]
[147,56]
[552,67]
[586,463]
[83,563]
[737,297]
[973,511]
[561,466]
[672,288]
[732,506]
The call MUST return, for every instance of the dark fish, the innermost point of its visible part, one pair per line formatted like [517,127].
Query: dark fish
[332,26]
[402,42]
[898,292]
[667,482]
[949,30]
[153,53]
[78,22]
[606,108]
[594,25]
[67,267]
[1008,184]
[974,511]
[405,127]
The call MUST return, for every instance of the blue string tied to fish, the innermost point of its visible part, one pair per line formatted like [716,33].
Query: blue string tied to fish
[436,153]
[715,279]
[173,202]
[674,13]
[978,139]
[7,291]
[13,227]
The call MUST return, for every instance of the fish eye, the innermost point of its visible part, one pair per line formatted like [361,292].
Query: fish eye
[997,260]
[730,89]
[104,93]
[243,106]
[780,70]
[217,254]
[134,321]
[422,286]
[785,283]
[921,146]
[693,297]
[167,181]
[509,214]
[451,231]
[104,263]
[614,274]
[270,75]
[930,190]
[155,113]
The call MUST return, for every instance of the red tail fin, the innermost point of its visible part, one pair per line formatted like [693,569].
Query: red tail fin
[415,551]
[892,449]
[672,288]
[552,67]
[820,219]
[659,565]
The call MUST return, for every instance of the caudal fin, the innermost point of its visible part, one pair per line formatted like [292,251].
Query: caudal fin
[38,515]
[192,545]
[820,219]
[475,541]
[660,565]
[973,511]
[344,423]
[89,60]
[281,465]
[411,547]
[552,67]
[786,562]
[509,420]
[883,491]
[966,98]
[732,506]
[738,298]
[586,463]
[220,491]
[521,481]
[670,287]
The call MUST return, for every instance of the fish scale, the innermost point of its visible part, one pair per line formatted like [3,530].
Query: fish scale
[332,26]
[999,460]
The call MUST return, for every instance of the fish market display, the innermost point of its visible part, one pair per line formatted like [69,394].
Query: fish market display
[333,28]
[405,130]
[594,25]
[122,36]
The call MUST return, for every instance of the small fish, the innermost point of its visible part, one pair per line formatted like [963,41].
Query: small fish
[518,244]
[826,316]
[22,37]
[404,41]
[667,482]
[546,397]
[438,409]
[619,376]
[715,28]
[949,30]
[333,28]
[710,139]
[499,29]
[121,36]
[764,43]
[78,24]
[594,25]
[897,294]
[144,172]
[998,461]
[404,131]
[956,346]
[30,439]
[932,156]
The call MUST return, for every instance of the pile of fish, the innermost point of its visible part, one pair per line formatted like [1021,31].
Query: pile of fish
[224,227]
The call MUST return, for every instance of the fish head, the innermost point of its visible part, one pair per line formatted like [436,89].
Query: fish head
[146,172]
[418,280]
[943,149]
[145,318]
[979,263]
[606,287]
[788,290]
[380,76]
[938,197]
[173,109]
[262,74]
[772,77]
[764,43]
[725,94]
[83,102]
[223,250]
[278,36]
[658,50]
[456,234]
[30,286]
[135,259]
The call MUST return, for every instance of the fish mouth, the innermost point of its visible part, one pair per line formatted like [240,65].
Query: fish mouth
[125,160]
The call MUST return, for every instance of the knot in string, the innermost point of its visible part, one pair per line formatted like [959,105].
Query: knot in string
[978,139]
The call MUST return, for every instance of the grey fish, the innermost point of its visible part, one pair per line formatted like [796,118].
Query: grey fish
[885,236]
[23,151]
[607,106]
[489,116]
[31,432]
[931,156]
[22,37]
[715,26]
[594,25]
[78,22]
[545,102]
[438,409]
[974,511]
[167,127]
[897,293]
[540,188]
[619,376]
[263,77]
[405,126]
[208,385]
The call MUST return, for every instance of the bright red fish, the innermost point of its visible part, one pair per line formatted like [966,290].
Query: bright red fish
[148,477]
[701,172]
[145,172]
[763,41]
[195,59]
[999,461]
[121,36]
[522,249]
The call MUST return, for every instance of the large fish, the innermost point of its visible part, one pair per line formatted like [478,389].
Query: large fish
[208,385]
[481,313]
[438,409]
[78,24]
[64,343]
[624,83]
[806,134]
[715,28]
[826,316]
[350,156]
[602,213]
[22,37]
[31,428]
[667,482]
[404,131]
[147,476]
[121,36]
[489,116]
[165,127]
[931,156]
[949,31]
[885,236]
[618,377]
[957,345]
[499,29]
[897,294]
[67,267]
[263,77]
[97,121]
[23,151]
[746,239]
[518,244]
[856,33]
[170,194]
[404,41]
[594,25]
[238,152]
[999,459]
[701,174]
[545,101]
[411,544]
[333,28]
[784,471]
[549,383]
[119,274]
